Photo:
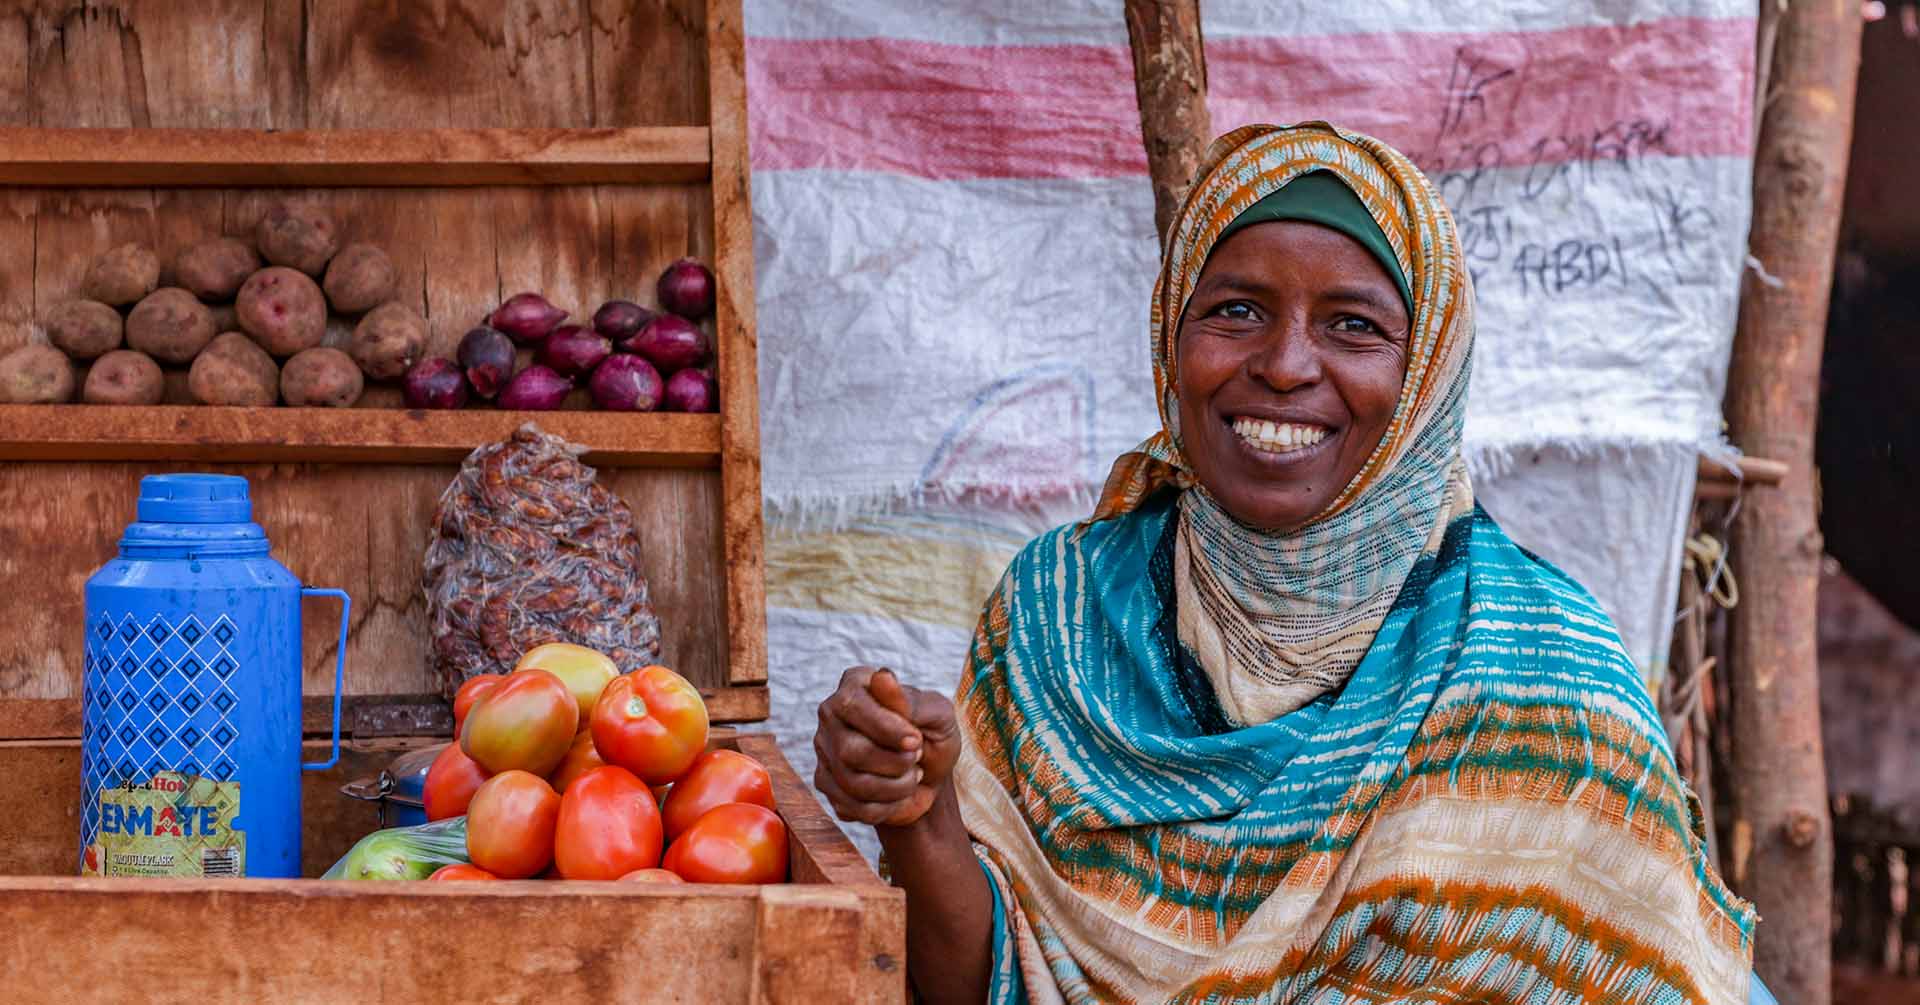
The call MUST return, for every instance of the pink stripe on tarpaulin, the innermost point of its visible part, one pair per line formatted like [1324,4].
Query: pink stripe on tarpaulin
[1675,87]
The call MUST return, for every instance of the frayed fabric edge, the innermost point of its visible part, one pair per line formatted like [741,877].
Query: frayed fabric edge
[1489,461]
[817,509]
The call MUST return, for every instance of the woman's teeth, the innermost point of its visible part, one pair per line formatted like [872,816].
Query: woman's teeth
[1277,437]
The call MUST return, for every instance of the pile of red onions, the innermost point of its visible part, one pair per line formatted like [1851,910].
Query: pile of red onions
[629,359]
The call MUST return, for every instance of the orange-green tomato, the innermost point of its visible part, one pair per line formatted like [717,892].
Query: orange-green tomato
[584,671]
[525,723]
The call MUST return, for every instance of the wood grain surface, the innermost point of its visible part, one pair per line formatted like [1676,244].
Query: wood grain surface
[347,498]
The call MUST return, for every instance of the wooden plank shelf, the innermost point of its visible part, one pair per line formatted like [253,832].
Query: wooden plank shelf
[352,435]
[139,158]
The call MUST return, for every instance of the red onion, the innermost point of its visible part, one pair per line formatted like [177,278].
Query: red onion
[686,289]
[527,317]
[690,390]
[670,342]
[618,320]
[535,389]
[487,356]
[626,384]
[434,383]
[573,351]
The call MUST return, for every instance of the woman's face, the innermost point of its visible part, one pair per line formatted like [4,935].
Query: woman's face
[1290,359]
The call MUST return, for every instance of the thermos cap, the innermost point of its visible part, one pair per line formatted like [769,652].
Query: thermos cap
[194,499]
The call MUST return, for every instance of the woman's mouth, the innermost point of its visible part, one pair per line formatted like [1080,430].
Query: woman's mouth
[1268,437]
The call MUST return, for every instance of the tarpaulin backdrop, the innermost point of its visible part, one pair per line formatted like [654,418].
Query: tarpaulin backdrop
[955,251]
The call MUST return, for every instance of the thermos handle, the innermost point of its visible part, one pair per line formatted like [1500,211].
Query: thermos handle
[339,670]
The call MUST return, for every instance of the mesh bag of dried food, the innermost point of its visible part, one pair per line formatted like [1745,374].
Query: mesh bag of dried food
[526,548]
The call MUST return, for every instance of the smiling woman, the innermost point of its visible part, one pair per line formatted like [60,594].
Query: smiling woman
[1292,353]
[1290,719]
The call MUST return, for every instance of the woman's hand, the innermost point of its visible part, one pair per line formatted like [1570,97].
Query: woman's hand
[886,753]
[884,750]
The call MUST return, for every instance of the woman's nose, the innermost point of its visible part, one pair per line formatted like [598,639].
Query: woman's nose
[1286,358]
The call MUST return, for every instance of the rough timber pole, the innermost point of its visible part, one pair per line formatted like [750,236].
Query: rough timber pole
[1781,848]
[1170,80]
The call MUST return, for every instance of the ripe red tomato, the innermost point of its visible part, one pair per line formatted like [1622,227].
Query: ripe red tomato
[609,826]
[651,876]
[510,825]
[460,870]
[524,723]
[717,777]
[584,671]
[469,693]
[735,843]
[652,723]
[452,779]
[581,758]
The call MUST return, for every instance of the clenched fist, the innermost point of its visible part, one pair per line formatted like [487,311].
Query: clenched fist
[885,750]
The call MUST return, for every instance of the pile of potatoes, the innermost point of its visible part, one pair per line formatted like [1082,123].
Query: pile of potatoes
[242,331]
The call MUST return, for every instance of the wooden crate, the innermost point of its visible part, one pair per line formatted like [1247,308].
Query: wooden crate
[489,147]
[835,934]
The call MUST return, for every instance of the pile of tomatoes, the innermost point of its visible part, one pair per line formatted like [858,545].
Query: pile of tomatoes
[567,768]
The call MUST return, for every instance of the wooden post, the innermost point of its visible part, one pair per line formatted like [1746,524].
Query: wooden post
[1170,80]
[1781,848]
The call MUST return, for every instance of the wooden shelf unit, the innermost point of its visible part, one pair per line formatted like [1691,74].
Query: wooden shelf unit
[629,151]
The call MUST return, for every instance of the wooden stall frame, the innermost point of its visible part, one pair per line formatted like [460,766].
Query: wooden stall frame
[729,441]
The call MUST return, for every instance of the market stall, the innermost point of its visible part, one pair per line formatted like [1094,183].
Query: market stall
[577,154]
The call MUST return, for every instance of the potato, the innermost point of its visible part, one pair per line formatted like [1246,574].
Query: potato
[390,339]
[171,325]
[213,270]
[298,237]
[124,377]
[360,278]
[321,377]
[35,375]
[234,371]
[84,329]
[283,310]
[122,276]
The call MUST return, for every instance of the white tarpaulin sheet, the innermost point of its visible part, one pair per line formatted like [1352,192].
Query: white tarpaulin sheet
[955,249]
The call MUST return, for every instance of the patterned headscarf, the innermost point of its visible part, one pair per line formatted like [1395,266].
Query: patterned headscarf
[1277,619]
[1243,167]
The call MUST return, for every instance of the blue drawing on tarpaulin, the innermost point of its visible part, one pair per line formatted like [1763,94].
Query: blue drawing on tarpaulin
[1070,388]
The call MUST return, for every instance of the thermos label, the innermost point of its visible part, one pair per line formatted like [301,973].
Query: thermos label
[170,825]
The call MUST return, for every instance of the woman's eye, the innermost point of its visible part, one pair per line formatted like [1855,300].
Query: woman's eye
[1237,310]
[1356,324]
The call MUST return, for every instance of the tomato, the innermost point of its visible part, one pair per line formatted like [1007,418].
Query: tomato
[735,843]
[609,826]
[460,870]
[652,723]
[469,693]
[581,758]
[716,778]
[525,723]
[651,876]
[510,825]
[452,779]
[584,671]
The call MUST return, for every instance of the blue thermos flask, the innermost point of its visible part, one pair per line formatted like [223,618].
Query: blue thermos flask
[190,737]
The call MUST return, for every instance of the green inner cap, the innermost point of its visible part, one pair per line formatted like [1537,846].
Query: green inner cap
[1321,197]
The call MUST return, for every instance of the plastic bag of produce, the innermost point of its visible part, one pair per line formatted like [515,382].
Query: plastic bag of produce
[404,852]
[526,549]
